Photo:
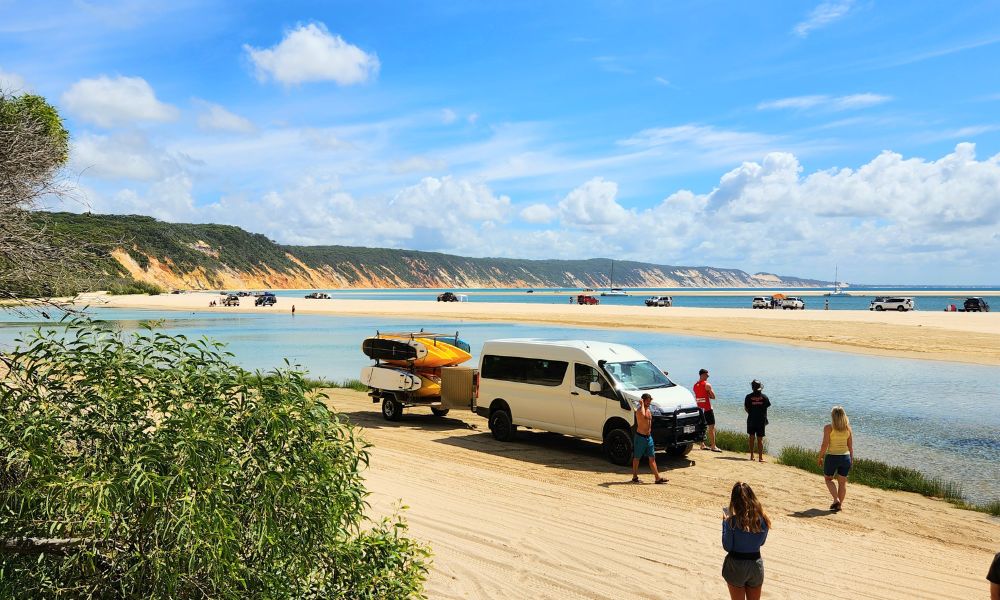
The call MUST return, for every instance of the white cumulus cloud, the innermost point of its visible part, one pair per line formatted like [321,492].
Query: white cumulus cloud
[538,213]
[593,204]
[127,155]
[311,53]
[214,117]
[108,102]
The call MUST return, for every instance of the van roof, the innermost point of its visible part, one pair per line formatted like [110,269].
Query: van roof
[597,350]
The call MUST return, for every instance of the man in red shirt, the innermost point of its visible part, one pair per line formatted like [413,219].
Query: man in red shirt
[703,395]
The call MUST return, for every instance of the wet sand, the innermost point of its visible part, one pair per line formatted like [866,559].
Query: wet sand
[960,337]
[546,516]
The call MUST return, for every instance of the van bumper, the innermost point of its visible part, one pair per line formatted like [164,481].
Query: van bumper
[679,428]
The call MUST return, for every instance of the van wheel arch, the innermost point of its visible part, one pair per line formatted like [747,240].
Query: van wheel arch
[618,441]
[500,403]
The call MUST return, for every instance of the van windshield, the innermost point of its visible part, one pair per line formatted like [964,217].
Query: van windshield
[638,375]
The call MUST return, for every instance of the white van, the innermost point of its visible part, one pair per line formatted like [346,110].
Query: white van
[585,389]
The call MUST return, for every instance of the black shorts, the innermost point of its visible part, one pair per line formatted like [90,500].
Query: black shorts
[710,417]
[756,429]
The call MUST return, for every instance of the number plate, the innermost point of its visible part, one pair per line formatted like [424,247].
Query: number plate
[689,429]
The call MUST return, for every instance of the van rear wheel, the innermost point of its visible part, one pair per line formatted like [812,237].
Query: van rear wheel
[502,426]
[618,445]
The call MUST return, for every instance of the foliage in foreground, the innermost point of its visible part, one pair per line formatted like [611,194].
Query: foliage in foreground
[350,384]
[179,475]
[735,441]
[877,474]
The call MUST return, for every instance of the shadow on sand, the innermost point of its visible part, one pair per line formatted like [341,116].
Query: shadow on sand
[556,450]
[811,513]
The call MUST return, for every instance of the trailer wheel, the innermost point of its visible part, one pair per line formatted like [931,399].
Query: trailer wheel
[618,445]
[392,409]
[439,412]
[502,426]
[680,451]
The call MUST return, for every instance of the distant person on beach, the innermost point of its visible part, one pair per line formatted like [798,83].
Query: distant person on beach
[836,455]
[994,578]
[293,309]
[642,441]
[703,395]
[744,531]
[756,404]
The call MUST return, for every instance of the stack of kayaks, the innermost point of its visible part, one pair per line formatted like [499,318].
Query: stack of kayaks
[411,362]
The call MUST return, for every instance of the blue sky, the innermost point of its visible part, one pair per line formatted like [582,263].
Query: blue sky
[785,137]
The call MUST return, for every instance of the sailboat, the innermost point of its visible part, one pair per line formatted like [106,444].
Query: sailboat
[837,291]
[614,291]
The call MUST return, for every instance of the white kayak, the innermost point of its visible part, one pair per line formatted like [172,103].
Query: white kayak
[388,378]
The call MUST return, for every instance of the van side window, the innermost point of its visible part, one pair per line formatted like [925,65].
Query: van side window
[534,371]
[584,374]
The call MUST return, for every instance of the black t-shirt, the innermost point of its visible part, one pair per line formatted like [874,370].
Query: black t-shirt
[756,404]
[994,574]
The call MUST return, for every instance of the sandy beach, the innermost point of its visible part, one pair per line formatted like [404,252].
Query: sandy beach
[960,337]
[546,516]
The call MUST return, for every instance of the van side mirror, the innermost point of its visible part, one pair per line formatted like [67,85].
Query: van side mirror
[595,387]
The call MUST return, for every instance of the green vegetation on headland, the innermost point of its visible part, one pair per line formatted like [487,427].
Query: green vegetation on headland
[877,474]
[208,256]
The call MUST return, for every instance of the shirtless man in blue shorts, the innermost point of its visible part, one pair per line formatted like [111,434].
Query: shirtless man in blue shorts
[642,441]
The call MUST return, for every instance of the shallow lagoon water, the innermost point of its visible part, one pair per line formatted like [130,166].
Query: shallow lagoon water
[939,417]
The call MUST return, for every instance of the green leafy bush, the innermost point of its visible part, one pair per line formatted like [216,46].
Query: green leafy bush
[169,472]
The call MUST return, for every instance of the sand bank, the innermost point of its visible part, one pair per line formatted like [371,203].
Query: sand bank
[961,337]
[546,516]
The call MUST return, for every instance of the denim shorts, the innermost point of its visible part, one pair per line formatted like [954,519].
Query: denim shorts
[642,445]
[839,464]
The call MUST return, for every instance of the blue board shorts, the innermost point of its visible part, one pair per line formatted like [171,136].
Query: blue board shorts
[642,445]
[837,463]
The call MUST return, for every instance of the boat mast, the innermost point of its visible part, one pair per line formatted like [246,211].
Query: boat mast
[612,273]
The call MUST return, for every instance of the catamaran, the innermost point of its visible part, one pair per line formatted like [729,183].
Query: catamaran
[614,291]
[837,291]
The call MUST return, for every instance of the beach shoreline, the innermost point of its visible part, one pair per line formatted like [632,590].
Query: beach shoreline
[939,336]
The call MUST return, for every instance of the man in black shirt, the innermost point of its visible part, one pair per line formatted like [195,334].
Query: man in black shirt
[756,403]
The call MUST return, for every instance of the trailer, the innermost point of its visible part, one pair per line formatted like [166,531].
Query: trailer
[459,387]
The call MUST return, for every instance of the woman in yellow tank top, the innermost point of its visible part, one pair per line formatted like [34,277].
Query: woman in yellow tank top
[836,455]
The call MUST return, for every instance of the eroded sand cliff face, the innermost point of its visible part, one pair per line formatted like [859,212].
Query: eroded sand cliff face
[415,272]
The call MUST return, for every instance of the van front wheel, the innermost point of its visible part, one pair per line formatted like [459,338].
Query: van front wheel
[502,426]
[618,445]
[680,451]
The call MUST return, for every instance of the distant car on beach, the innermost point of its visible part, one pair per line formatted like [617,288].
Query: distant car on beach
[897,303]
[587,299]
[265,299]
[760,302]
[976,305]
[318,296]
[659,301]
[231,300]
[793,303]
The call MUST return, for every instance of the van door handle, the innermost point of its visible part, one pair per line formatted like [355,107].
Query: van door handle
[575,393]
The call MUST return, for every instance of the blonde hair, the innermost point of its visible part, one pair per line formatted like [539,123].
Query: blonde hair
[839,419]
[745,511]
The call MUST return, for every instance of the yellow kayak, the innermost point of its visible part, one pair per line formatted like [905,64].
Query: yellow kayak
[436,353]
[430,385]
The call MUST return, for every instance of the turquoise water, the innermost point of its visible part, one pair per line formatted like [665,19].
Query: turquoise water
[941,418]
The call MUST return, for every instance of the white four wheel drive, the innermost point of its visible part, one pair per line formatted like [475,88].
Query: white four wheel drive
[584,389]
[897,303]
[793,304]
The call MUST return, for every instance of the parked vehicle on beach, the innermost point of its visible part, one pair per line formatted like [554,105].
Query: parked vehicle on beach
[584,389]
[760,302]
[897,303]
[231,300]
[792,303]
[265,299]
[318,296]
[452,297]
[587,299]
[976,305]
[659,301]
